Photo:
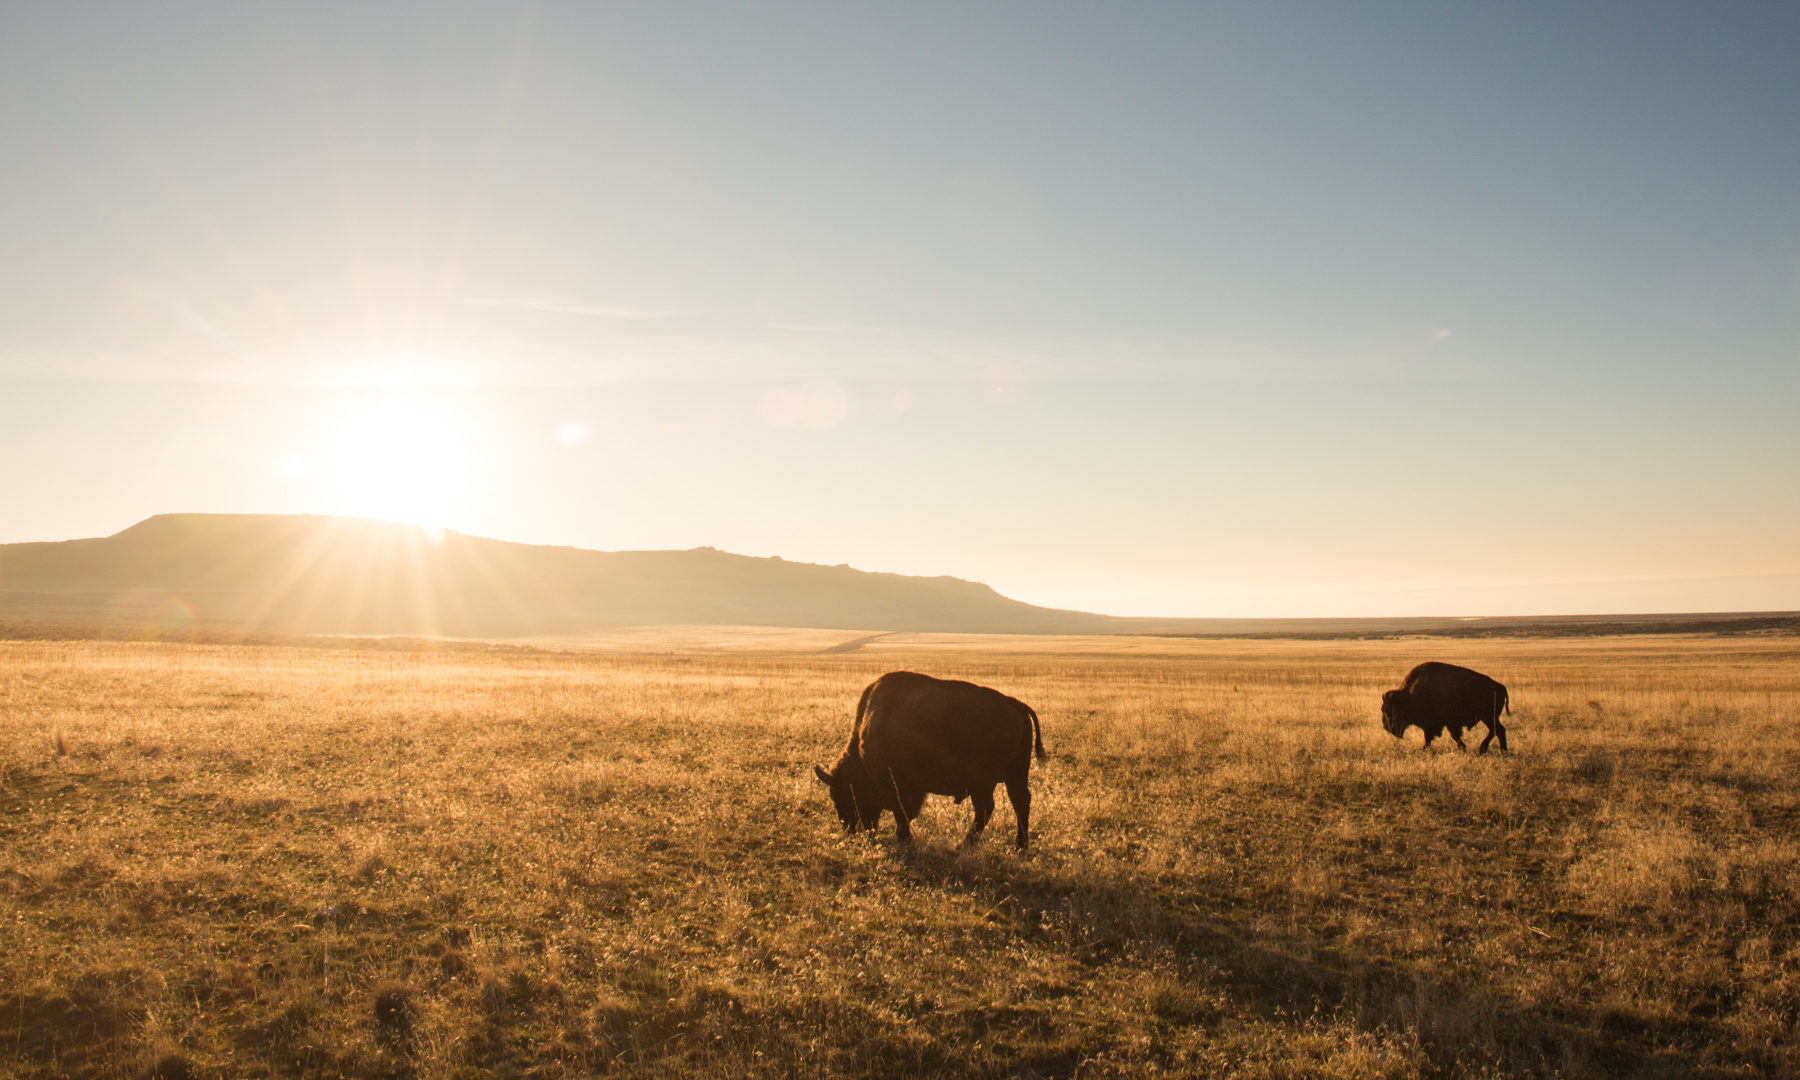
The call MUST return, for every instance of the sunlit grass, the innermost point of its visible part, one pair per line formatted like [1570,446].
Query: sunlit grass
[603,861]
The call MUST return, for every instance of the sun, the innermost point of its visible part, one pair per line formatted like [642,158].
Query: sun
[396,453]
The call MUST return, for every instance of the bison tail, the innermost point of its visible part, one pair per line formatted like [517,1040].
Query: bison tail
[1505,707]
[1037,733]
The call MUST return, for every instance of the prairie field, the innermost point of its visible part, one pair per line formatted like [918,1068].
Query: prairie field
[612,858]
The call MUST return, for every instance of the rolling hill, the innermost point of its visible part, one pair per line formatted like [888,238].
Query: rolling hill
[305,574]
[242,574]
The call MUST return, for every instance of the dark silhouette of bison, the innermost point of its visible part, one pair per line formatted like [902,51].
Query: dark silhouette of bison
[916,735]
[1437,698]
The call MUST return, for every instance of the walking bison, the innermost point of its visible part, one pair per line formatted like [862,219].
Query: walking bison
[916,736]
[1437,698]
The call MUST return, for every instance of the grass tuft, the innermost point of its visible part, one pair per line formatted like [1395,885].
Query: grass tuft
[394,1017]
[170,1067]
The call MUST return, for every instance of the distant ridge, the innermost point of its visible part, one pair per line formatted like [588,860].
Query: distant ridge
[305,574]
[216,576]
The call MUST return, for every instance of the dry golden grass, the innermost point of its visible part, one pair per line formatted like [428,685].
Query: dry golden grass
[269,861]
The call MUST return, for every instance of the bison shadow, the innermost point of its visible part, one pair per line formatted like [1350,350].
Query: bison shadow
[1285,979]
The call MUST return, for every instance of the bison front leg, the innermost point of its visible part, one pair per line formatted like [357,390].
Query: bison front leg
[1456,733]
[908,801]
[1019,791]
[983,802]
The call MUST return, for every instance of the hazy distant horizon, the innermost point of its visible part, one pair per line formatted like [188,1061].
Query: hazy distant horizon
[1306,606]
[1248,311]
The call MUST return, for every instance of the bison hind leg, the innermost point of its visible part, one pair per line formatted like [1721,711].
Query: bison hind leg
[1018,790]
[1456,733]
[1495,729]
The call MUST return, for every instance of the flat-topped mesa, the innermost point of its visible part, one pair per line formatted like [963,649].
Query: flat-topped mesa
[343,575]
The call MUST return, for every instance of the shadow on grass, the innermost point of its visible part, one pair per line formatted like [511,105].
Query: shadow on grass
[1285,979]
[75,1033]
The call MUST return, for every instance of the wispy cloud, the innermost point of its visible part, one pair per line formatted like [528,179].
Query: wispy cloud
[534,340]
[558,306]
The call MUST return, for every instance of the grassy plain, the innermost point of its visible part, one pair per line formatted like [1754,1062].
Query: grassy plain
[297,861]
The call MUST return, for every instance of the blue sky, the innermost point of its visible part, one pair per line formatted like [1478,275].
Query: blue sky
[1151,309]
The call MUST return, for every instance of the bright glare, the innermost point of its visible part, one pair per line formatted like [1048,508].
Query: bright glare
[394,454]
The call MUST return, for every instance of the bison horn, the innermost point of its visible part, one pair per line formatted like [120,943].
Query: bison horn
[824,777]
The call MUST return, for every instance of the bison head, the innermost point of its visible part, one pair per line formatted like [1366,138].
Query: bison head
[856,809]
[1393,712]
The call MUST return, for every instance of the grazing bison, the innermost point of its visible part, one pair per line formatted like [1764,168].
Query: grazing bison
[916,735]
[1443,697]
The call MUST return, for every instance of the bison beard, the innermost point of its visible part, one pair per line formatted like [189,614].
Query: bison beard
[915,736]
[1437,698]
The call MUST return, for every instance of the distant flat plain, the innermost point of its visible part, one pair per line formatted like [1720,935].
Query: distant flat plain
[608,856]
